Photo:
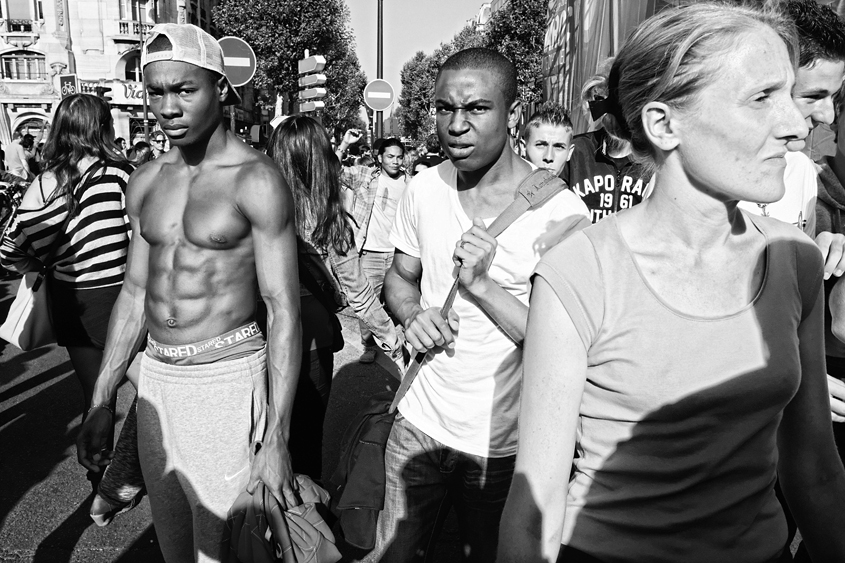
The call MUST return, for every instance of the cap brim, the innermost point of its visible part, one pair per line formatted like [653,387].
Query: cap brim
[233,98]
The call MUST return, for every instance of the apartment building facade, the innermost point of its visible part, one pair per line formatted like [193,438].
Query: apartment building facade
[98,41]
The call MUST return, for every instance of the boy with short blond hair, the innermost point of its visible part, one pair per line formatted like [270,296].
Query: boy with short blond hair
[548,137]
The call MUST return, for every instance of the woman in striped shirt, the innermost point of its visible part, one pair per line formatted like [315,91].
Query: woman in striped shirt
[84,178]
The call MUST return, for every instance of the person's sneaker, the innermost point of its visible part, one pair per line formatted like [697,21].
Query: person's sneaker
[103,511]
[369,355]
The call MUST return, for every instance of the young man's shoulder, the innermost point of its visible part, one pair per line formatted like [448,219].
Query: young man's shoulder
[254,166]
[567,202]
[358,176]
[261,191]
[431,182]
[145,175]
[250,160]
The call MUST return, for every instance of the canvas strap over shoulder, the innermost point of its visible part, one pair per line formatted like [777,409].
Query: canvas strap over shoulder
[537,188]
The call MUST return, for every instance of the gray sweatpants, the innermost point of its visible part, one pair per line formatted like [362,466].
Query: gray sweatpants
[196,426]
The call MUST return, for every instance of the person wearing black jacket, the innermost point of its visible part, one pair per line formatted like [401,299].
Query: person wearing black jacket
[601,169]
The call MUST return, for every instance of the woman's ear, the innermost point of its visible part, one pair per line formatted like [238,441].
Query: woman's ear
[659,126]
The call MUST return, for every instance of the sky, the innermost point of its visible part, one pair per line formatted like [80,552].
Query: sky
[409,26]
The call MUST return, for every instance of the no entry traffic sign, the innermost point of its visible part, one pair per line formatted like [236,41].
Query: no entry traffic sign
[239,60]
[378,95]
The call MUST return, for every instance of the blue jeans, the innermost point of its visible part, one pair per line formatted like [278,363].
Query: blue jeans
[374,265]
[424,479]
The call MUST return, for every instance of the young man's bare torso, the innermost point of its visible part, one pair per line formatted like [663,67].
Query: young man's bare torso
[202,276]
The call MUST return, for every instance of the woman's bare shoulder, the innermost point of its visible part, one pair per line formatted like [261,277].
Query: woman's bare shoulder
[39,191]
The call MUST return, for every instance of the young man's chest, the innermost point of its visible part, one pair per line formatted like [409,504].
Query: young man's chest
[202,211]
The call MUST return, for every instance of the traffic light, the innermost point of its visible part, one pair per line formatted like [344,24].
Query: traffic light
[311,82]
[101,92]
[311,64]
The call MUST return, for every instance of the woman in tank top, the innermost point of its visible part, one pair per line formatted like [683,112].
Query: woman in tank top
[678,345]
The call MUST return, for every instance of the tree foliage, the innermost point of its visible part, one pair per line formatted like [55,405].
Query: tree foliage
[280,36]
[517,31]
[417,78]
[415,100]
[345,82]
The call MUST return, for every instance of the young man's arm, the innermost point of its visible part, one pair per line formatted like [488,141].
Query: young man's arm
[127,327]
[269,207]
[425,329]
[351,137]
[347,188]
[473,255]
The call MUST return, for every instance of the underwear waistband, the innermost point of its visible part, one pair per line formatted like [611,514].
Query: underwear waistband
[238,343]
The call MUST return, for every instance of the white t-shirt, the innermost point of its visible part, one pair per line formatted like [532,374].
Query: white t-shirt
[468,398]
[798,204]
[16,155]
[388,194]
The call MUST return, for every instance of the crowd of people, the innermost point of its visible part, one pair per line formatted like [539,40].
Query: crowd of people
[649,365]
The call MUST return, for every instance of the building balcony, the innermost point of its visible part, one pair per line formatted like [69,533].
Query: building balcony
[88,86]
[129,31]
[20,33]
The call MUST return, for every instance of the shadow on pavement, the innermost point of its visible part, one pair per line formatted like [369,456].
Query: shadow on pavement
[143,550]
[29,383]
[35,432]
[59,545]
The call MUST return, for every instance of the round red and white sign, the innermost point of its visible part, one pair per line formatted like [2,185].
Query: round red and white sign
[379,95]
[239,60]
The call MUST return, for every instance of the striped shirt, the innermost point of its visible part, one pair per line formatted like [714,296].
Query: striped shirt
[92,250]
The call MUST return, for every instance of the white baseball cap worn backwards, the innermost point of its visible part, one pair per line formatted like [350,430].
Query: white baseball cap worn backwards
[192,45]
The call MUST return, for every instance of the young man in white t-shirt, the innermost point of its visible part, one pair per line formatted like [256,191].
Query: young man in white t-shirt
[454,439]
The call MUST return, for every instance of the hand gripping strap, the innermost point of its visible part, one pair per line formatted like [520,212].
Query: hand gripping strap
[537,188]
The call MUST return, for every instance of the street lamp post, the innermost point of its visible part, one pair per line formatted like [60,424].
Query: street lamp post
[143,89]
[379,63]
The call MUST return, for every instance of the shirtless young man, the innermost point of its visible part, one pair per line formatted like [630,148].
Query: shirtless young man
[213,228]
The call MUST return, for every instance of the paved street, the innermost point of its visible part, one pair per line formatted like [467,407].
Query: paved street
[44,497]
